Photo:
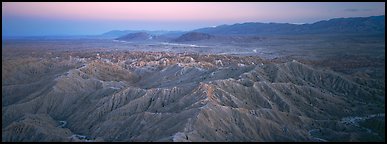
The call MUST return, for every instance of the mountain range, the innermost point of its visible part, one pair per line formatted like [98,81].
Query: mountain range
[355,25]
[373,24]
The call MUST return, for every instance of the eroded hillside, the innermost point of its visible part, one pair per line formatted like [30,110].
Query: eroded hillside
[158,96]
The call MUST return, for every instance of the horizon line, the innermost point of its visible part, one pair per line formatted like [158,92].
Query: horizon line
[73,35]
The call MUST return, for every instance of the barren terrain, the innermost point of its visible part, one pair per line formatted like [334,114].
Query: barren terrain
[109,90]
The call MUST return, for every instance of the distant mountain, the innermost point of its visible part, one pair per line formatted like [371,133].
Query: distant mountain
[139,36]
[209,38]
[248,32]
[194,36]
[373,24]
[246,28]
[172,34]
[119,33]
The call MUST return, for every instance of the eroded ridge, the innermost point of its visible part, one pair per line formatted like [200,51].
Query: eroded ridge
[159,96]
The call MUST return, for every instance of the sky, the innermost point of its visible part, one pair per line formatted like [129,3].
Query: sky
[93,18]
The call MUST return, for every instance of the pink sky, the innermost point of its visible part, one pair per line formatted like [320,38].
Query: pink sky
[166,11]
[52,18]
[129,11]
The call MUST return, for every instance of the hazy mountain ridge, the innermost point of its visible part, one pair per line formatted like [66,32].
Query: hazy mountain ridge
[193,36]
[140,36]
[248,32]
[373,24]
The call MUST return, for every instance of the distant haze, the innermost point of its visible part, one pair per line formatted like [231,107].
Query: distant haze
[72,18]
